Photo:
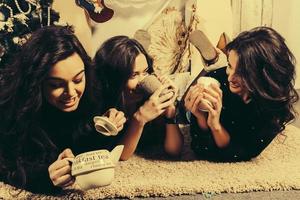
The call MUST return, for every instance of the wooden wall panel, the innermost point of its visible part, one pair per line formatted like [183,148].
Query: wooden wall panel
[251,13]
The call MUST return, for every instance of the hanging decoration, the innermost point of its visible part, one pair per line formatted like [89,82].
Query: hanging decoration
[96,10]
[18,19]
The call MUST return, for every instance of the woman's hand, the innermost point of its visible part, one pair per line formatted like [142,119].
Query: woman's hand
[156,104]
[214,95]
[193,99]
[116,117]
[170,110]
[60,170]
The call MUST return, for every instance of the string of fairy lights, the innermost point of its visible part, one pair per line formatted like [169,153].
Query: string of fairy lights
[18,19]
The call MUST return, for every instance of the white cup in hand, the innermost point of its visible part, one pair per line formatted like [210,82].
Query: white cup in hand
[95,168]
[206,83]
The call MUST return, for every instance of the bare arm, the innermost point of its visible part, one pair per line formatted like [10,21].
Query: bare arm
[174,140]
[220,134]
[151,109]
[210,120]
[132,135]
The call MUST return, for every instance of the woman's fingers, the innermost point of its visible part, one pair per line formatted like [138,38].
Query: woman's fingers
[111,113]
[67,153]
[61,162]
[120,123]
[69,183]
[58,165]
[167,95]
[187,98]
[165,104]
[120,119]
[212,99]
[211,92]
[61,167]
[213,96]
[217,89]
[195,92]
[198,100]
[117,118]
[211,110]
[63,170]
[64,181]
[57,173]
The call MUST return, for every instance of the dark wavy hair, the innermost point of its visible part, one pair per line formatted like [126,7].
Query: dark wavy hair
[114,62]
[267,69]
[21,98]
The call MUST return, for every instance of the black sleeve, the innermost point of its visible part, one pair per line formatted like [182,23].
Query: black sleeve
[38,180]
[239,149]
[249,146]
[30,176]
[203,143]
[88,139]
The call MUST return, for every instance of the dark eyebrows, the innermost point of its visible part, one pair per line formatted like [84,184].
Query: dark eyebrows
[60,79]
[79,73]
[145,70]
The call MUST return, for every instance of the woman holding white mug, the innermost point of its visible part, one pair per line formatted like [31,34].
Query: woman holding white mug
[253,103]
[47,106]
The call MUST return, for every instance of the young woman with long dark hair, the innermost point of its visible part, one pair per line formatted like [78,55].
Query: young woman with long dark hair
[253,104]
[47,105]
[121,64]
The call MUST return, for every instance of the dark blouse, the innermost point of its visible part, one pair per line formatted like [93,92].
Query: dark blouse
[49,135]
[249,127]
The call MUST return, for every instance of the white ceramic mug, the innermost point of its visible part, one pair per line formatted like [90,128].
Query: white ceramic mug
[206,83]
[95,168]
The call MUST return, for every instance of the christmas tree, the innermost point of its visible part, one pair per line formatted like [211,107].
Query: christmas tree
[18,19]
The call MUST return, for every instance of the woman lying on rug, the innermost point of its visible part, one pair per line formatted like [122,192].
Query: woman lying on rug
[252,105]
[46,107]
[121,64]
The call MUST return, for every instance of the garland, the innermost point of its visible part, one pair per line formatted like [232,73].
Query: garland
[18,19]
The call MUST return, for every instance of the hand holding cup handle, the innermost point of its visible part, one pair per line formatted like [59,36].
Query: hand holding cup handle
[60,170]
[94,168]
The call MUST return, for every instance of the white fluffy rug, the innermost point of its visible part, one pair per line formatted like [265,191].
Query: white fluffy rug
[277,168]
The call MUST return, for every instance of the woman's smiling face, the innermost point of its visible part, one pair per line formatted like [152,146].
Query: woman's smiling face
[65,84]
[235,82]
